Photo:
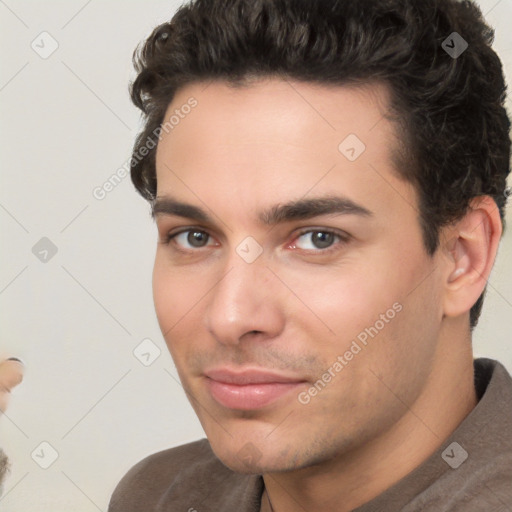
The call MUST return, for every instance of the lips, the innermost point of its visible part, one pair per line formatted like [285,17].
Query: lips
[249,389]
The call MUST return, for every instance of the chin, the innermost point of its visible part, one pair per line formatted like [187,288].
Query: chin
[249,459]
[256,467]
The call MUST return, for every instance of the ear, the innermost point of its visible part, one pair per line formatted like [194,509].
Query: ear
[470,246]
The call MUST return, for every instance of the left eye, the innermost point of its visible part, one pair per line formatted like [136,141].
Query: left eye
[314,240]
[192,238]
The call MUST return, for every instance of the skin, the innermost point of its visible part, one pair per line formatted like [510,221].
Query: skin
[298,306]
[11,374]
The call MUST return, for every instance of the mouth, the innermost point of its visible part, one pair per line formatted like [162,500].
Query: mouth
[249,389]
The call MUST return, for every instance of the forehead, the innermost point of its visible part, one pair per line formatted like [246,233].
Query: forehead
[287,109]
[276,140]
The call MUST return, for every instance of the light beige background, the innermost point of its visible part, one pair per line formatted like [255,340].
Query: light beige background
[67,125]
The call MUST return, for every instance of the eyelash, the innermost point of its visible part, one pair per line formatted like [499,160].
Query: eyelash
[169,237]
[342,236]
[343,239]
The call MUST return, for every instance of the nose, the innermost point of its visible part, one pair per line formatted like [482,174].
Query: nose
[245,303]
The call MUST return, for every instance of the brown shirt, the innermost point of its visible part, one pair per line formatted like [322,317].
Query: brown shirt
[473,475]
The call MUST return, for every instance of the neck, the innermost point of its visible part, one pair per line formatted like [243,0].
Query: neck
[355,478]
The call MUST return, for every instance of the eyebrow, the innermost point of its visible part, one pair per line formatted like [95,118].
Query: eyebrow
[300,209]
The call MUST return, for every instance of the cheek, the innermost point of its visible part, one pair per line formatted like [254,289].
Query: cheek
[341,302]
[165,296]
[174,294]
[179,296]
[377,296]
[170,307]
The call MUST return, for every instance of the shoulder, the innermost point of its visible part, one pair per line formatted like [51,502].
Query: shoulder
[478,456]
[146,482]
[182,478]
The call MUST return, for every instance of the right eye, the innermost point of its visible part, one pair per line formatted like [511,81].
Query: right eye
[190,239]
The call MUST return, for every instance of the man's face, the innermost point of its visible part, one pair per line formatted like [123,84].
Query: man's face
[345,280]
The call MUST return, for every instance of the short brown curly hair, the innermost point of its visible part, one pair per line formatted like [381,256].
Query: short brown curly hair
[450,113]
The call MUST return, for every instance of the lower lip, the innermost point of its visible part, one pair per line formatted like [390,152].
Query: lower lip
[249,396]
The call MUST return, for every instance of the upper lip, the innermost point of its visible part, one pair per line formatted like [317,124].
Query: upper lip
[248,376]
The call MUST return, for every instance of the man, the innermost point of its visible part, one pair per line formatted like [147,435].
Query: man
[11,374]
[328,179]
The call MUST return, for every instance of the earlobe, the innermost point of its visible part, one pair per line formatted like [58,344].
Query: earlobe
[472,248]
